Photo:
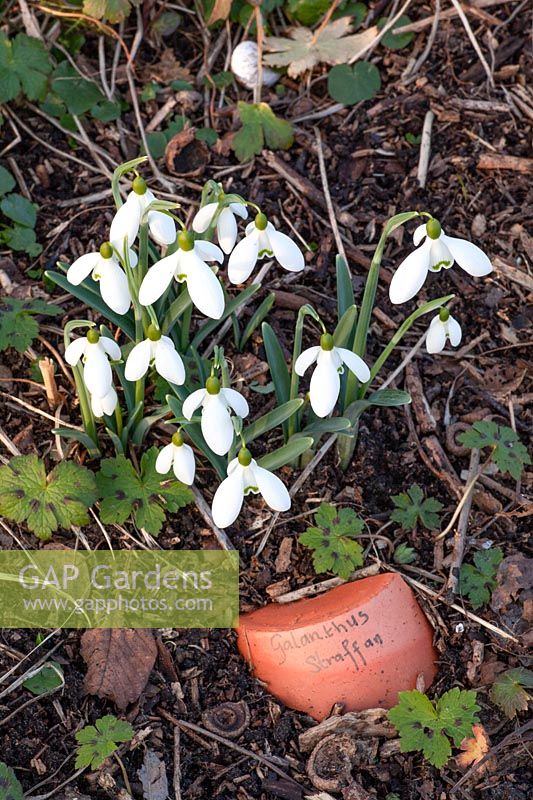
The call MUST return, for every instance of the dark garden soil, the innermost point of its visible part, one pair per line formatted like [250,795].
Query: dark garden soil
[371,168]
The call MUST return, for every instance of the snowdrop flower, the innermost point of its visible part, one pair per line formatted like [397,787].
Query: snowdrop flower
[436,252]
[104,405]
[95,350]
[216,403]
[262,239]
[128,218]
[180,457]
[325,381]
[160,351]
[105,267]
[187,264]
[442,327]
[226,222]
[245,476]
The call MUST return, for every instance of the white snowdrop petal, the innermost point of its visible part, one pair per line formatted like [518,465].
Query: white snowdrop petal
[134,260]
[325,385]
[138,361]
[184,464]
[168,362]
[239,209]
[111,348]
[217,427]
[305,359]
[162,228]
[273,490]
[125,224]
[82,268]
[436,336]
[164,459]
[227,230]
[204,287]
[469,256]
[419,234]
[244,257]
[228,499]
[109,402]
[75,350]
[410,275]
[204,217]
[157,279]
[286,251]
[97,374]
[439,255]
[236,401]
[454,332]
[192,402]
[114,288]
[208,251]
[354,363]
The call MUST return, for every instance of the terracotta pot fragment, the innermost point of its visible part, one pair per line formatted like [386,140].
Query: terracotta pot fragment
[358,644]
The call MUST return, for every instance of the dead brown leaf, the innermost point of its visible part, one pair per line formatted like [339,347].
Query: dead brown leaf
[165,70]
[515,574]
[119,663]
[474,748]
[220,11]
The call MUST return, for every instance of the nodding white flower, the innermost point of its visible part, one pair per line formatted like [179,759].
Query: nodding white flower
[187,264]
[442,327]
[226,222]
[105,268]
[104,405]
[160,351]
[95,350]
[325,381]
[261,240]
[216,403]
[436,251]
[245,476]
[128,218]
[180,457]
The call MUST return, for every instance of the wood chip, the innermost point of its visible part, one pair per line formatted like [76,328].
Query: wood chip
[514,163]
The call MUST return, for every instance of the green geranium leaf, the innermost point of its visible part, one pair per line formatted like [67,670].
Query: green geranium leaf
[307,12]
[477,581]
[78,94]
[19,209]
[350,85]
[97,742]
[424,726]
[143,496]
[46,502]
[509,691]
[396,41]
[10,788]
[111,10]
[7,181]
[508,452]
[334,540]
[404,554]
[21,239]
[49,677]
[18,328]
[24,67]
[260,128]
[412,506]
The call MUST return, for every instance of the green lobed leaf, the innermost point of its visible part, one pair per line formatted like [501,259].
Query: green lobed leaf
[96,743]
[18,328]
[260,127]
[509,690]
[7,181]
[142,496]
[24,67]
[21,239]
[112,10]
[46,502]
[334,540]
[412,506]
[19,209]
[49,678]
[79,95]
[10,788]
[353,84]
[404,554]
[477,581]
[508,452]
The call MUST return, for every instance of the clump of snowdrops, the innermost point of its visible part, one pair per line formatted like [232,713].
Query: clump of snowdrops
[165,290]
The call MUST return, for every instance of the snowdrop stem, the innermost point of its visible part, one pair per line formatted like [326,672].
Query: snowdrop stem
[121,170]
[142,266]
[118,419]
[87,416]
[294,420]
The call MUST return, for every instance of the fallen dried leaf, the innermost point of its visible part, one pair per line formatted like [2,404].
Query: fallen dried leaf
[153,777]
[515,574]
[119,662]
[219,11]
[474,748]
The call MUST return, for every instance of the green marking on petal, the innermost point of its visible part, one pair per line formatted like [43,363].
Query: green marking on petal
[265,252]
[439,265]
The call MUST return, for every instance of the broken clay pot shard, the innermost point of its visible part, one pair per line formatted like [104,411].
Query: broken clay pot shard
[358,644]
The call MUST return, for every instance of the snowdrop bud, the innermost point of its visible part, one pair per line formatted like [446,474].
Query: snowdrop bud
[245,457]
[212,385]
[139,185]
[326,341]
[433,228]
[153,333]
[106,250]
[244,66]
[177,439]
[186,241]
[93,337]
[261,221]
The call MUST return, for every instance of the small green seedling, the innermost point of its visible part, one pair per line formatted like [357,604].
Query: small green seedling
[18,326]
[10,788]
[46,680]
[508,452]
[509,691]
[404,554]
[334,540]
[413,506]
[477,581]
[260,128]
[428,727]
[97,742]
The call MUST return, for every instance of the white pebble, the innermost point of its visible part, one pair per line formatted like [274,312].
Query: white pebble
[244,66]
